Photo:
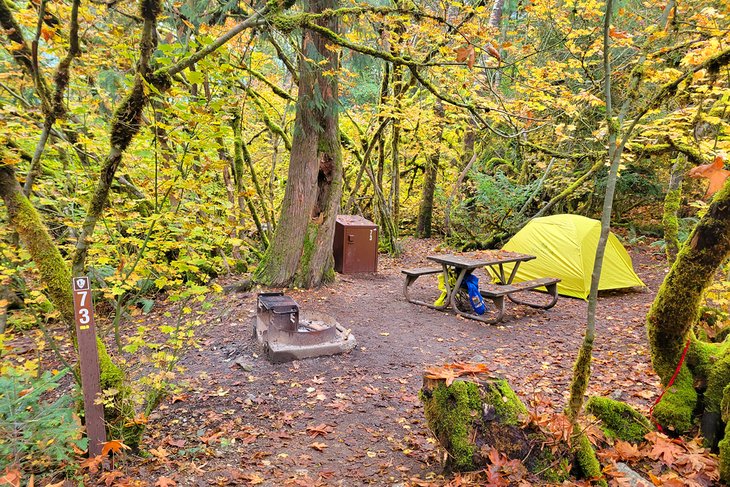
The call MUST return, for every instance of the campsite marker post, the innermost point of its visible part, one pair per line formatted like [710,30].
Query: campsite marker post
[89,363]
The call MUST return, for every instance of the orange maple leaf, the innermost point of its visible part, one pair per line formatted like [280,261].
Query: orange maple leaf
[165,482]
[626,451]
[114,446]
[111,478]
[140,418]
[663,448]
[714,172]
[442,373]
[320,430]
[449,372]
[92,463]
[618,34]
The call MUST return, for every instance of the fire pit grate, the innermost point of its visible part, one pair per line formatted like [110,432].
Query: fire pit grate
[286,334]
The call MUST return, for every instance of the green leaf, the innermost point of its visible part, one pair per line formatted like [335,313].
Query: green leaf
[195,77]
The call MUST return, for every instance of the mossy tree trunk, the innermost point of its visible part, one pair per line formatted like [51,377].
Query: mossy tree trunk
[677,302]
[43,250]
[301,250]
[241,191]
[675,310]
[54,271]
[425,210]
[672,200]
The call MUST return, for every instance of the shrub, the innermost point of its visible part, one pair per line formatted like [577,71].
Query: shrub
[36,435]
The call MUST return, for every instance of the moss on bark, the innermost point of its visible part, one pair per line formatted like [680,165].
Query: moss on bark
[508,407]
[675,411]
[717,380]
[581,376]
[670,222]
[618,419]
[585,457]
[43,250]
[451,413]
[724,445]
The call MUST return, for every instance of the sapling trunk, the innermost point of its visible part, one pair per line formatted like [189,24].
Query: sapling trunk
[425,210]
[672,200]
[582,366]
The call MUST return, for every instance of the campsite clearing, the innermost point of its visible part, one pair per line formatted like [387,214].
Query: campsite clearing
[361,410]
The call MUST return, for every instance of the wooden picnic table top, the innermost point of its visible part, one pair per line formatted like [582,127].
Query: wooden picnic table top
[482,259]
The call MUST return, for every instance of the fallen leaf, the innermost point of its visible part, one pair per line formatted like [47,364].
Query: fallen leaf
[627,451]
[165,482]
[179,398]
[115,446]
[138,419]
[449,372]
[10,477]
[663,448]
[110,478]
[318,446]
[178,443]
[92,463]
[160,453]
[320,430]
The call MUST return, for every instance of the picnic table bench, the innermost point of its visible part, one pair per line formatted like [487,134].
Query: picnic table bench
[495,291]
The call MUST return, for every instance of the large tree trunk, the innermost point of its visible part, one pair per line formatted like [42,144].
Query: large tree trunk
[675,311]
[425,210]
[677,303]
[301,251]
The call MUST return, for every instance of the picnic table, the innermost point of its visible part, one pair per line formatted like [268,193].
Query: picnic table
[463,265]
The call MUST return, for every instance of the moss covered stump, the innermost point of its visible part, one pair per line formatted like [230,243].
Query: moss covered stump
[476,414]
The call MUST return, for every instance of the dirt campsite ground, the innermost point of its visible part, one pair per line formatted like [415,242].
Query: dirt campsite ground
[355,419]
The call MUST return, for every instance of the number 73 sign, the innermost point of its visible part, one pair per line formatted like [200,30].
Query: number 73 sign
[89,364]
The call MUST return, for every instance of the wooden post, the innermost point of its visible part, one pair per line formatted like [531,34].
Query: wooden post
[89,362]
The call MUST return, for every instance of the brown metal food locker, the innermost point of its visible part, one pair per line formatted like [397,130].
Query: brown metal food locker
[356,245]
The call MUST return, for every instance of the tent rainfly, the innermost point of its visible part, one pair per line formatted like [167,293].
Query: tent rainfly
[565,246]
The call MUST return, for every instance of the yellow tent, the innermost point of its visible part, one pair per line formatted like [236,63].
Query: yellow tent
[565,246]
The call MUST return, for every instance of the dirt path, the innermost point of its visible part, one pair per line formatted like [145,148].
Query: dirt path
[355,419]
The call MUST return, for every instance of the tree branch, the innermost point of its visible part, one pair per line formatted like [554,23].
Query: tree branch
[56,109]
